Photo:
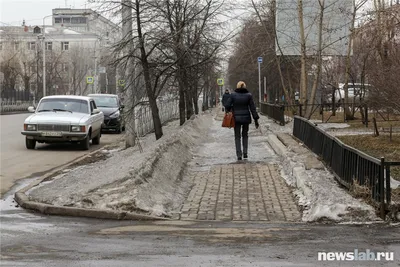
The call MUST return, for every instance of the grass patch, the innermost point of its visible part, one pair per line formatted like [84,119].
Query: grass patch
[379,146]
[383,119]
[361,191]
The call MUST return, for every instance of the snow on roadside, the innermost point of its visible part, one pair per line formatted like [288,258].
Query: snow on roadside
[320,194]
[317,191]
[130,180]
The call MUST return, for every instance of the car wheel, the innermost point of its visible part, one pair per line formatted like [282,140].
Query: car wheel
[30,143]
[85,144]
[96,140]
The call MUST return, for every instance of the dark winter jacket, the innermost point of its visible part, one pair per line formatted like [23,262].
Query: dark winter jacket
[241,103]
[225,98]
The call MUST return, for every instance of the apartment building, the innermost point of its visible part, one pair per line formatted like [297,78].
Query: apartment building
[76,46]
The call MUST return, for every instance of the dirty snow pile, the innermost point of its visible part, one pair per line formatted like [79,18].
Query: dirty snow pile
[319,193]
[149,182]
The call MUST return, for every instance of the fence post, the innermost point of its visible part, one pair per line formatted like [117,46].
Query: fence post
[388,189]
[300,110]
[381,188]
[282,109]
[366,116]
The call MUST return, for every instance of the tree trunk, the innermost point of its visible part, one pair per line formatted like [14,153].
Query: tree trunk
[346,108]
[189,103]
[129,49]
[303,74]
[319,59]
[147,79]
[196,104]
[181,106]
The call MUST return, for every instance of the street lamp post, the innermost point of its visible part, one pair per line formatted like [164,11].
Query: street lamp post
[44,55]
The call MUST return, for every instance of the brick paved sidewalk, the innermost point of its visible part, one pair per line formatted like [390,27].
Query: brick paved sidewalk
[246,191]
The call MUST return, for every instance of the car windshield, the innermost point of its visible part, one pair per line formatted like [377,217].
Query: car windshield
[63,105]
[106,101]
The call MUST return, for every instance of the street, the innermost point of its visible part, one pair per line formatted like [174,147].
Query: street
[32,239]
[35,240]
[17,162]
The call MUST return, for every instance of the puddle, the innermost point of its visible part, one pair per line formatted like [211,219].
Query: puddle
[7,203]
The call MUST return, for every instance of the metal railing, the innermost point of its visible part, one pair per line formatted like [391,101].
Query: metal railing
[274,111]
[347,163]
[168,110]
[14,106]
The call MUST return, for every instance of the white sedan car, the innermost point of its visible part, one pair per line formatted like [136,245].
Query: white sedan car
[64,118]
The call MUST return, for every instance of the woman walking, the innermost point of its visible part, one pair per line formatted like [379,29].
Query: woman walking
[241,103]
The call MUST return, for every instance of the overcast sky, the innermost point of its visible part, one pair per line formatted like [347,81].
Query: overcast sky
[12,12]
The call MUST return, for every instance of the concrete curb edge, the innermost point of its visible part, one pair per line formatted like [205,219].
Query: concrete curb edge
[23,200]
[276,144]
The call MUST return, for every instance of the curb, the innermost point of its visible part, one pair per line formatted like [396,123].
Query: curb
[23,200]
[14,113]
[276,145]
[301,177]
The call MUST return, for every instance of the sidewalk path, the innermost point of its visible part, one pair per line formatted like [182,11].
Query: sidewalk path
[226,189]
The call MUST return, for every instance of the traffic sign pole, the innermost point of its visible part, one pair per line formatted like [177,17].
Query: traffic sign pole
[259,60]
[220,82]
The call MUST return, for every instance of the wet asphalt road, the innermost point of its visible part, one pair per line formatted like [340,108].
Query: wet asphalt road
[29,239]
[17,162]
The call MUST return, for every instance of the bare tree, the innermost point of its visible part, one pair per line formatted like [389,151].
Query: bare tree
[11,68]
[78,68]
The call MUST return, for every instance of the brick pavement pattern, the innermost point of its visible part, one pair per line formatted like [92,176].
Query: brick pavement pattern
[240,192]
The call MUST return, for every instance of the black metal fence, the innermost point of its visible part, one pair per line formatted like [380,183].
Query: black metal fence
[275,112]
[16,95]
[347,163]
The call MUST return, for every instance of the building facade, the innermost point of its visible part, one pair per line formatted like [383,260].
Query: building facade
[72,51]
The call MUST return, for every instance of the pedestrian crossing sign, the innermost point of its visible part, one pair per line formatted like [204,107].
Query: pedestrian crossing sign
[89,79]
[220,81]
[121,82]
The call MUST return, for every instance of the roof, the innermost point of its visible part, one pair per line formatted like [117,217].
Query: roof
[103,95]
[50,31]
[67,96]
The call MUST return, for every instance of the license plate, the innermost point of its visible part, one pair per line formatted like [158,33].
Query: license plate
[51,133]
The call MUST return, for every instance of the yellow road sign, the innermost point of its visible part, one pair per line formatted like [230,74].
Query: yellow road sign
[89,79]
[220,81]
[121,82]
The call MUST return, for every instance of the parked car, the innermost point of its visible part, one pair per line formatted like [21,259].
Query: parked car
[357,91]
[64,118]
[112,108]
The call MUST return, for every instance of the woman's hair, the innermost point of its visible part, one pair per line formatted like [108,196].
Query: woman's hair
[241,84]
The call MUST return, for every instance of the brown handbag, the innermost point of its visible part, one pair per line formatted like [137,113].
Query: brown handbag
[229,120]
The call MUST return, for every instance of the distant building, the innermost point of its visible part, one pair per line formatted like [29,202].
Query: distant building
[87,20]
[335,31]
[78,41]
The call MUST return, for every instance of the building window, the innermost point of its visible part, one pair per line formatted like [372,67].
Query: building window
[36,29]
[16,45]
[31,45]
[66,20]
[78,20]
[64,46]
[49,46]
[57,20]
